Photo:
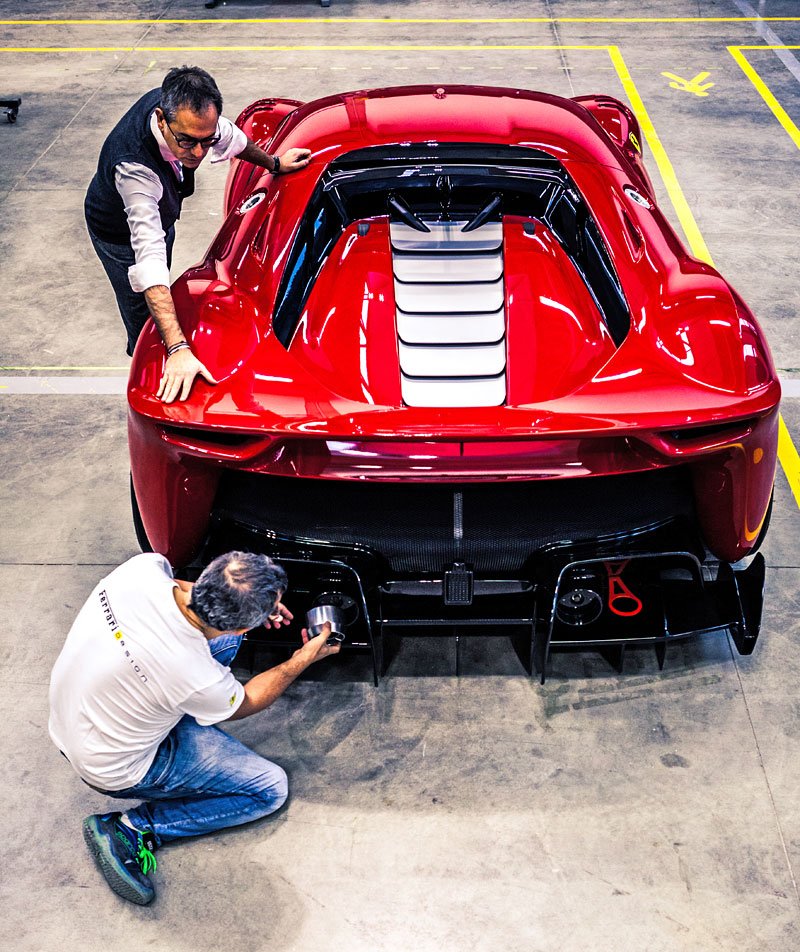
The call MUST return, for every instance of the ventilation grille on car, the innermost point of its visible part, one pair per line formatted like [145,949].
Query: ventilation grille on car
[421,527]
[449,291]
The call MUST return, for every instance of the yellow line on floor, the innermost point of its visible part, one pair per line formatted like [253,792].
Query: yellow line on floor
[787,453]
[764,91]
[684,212]
[311,48]
[390,21]
[790,460]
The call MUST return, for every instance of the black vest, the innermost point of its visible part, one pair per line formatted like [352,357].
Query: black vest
[132,141]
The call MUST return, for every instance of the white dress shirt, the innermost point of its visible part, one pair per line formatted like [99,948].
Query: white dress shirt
[141,191]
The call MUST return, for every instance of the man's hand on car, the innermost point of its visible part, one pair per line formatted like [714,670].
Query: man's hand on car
[179,373]
[294,159]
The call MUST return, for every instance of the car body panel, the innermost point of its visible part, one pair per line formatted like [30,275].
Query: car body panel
[685,380]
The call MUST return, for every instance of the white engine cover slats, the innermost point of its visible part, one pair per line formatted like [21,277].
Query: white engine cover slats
[449,293]
[476,360]
[448,269]
[451,328]
[444,392]
[448,298]
[446,236]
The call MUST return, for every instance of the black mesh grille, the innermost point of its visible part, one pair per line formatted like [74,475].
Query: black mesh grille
[416,526]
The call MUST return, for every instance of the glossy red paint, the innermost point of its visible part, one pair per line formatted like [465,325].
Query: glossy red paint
[260,121]
[577,405]
[347,335]
[556,340]
[174,489]
[621,124]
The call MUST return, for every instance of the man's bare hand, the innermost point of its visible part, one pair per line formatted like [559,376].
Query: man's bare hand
[316,648]
[265,688]
[280,616]
[294,159]
[179,373]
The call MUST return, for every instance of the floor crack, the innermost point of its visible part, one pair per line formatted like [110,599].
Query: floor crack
[561,53]
[123,59]
[781,836]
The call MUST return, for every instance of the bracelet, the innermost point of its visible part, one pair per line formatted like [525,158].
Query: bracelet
[181,345]
[277,167]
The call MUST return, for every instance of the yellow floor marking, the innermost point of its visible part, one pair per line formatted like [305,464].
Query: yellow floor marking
[787,454]
[696,84]
[790,460]
[316,48]
[764,91]
[693,235]
[390,21]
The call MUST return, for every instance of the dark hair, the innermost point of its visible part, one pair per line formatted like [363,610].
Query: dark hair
[237,590]
[189,86]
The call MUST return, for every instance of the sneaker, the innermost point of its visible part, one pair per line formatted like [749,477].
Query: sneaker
[125,856]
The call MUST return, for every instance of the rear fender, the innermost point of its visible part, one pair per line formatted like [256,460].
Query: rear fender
[622,126]
[733,490]
[174,491]
[259,122]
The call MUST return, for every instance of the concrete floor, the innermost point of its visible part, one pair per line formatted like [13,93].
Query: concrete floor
[650,811]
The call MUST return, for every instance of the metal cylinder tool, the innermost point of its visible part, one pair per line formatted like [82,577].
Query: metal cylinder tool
[319,615]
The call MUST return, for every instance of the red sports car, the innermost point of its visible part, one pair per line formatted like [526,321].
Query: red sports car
[468,375]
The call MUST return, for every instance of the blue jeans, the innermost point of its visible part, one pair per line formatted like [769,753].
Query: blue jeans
[133,308]
[204,780]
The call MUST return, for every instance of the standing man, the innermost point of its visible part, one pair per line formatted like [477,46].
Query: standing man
[146,169]
[142,679]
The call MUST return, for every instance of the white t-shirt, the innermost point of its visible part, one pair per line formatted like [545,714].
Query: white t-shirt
[131,667]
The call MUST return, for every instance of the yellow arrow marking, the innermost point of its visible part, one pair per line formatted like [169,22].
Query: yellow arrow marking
[697,84]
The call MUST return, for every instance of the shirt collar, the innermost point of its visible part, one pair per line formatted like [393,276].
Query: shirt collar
[163,148]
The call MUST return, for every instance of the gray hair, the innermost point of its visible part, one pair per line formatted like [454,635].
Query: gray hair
[191,87]
[237,590]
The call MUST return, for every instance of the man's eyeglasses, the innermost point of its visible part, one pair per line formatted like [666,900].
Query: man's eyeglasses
[189,142]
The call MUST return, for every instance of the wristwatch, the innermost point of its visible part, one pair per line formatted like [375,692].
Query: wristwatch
[277,167]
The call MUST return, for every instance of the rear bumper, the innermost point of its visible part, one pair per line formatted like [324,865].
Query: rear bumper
[606,594]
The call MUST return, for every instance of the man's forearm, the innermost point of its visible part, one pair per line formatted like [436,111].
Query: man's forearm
[162,308]
[291,160]
[182,365]
[265,688]
[255,154]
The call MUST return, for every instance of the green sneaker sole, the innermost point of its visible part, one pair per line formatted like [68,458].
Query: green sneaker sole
[116,875]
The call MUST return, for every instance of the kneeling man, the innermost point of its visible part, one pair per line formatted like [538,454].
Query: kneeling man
[137,689]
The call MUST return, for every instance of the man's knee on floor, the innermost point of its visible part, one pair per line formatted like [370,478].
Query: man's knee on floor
[280,788]
[271,788]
